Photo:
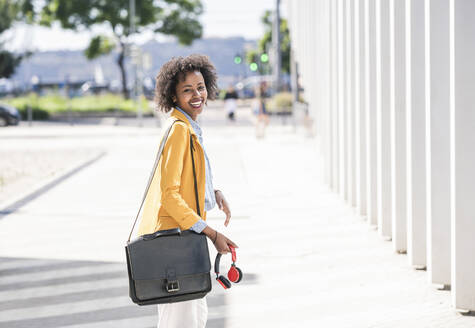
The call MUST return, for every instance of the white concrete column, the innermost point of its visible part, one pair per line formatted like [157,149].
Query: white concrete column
[341,97]
[315,69]
[360,107]
[312,70]
[398,124]
[350,105]
[335,94]
[383,117]
[462,156]
[326,83]
[344,103]
[370,100]
[416,163]
[438,143]
[322,49]
[325,50]
[331,103]
[304,47]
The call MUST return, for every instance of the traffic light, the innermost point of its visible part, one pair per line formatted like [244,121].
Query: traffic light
[237,59]
[253,67]
[264,58]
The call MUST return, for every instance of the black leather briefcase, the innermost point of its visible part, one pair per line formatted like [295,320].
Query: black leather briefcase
[168,266]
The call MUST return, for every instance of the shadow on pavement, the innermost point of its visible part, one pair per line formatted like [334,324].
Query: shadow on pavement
[56,293]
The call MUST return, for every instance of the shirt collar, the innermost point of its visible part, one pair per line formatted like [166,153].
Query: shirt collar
[193,123]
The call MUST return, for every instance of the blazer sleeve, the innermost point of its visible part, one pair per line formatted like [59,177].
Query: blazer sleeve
[171,170]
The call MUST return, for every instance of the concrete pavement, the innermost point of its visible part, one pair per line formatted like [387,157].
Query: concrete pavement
[308,260]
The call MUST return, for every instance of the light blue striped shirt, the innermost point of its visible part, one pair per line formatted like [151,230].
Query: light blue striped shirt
[210,198]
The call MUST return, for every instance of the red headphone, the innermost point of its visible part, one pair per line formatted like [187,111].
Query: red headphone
[234,273]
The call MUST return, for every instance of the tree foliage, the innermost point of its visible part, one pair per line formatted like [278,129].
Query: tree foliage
[98,46]
[264,44]
[172,17]
[10,12]
[8,63]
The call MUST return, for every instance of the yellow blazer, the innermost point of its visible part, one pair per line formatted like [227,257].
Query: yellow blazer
[170,201]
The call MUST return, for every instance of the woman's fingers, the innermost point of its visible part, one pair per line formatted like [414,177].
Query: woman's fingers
[230,242]
[226,211]
[219,200]
[228,217]
[225,250]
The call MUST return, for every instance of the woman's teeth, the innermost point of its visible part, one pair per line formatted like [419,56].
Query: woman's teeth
[196,104]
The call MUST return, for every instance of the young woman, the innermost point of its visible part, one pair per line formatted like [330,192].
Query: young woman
[260,110]
[183,86]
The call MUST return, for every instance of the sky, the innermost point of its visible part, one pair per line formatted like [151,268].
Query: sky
[222,18]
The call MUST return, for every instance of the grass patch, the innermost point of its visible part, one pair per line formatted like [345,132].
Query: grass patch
[55,104]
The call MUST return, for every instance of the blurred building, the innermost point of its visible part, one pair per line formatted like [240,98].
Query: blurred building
[390,84]
[72,66]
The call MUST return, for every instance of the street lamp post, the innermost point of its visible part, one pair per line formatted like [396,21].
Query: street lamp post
[135,53]
[68,97]
[35,80]
[276,45]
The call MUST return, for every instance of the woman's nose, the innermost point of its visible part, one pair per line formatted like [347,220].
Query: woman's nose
[197,92]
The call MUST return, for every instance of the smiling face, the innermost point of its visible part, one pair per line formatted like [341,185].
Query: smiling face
[191,94]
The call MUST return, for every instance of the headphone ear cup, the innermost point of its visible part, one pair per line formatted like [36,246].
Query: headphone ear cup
[234,274]
[240,275]
[224,282]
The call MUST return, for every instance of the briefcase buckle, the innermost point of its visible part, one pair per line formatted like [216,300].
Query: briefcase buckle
[173,286]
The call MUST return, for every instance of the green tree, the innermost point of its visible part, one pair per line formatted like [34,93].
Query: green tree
[172,17]
[10,12]
[264,44]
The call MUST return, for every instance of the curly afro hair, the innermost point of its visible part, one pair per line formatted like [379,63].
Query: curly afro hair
[174,70]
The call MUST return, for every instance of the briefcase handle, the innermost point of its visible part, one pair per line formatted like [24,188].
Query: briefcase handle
[161,233]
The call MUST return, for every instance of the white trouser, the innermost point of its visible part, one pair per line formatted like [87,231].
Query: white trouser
[230,105]
[189,314]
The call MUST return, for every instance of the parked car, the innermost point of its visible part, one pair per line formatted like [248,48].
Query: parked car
[9,115]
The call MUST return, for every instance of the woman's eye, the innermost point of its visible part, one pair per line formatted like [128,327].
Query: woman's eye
[201,88]
[186,90]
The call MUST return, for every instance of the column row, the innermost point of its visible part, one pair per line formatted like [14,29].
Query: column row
[389,84]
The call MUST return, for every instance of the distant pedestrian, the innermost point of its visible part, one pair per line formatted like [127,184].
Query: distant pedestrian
[261,110]
[183,87]
[230,102]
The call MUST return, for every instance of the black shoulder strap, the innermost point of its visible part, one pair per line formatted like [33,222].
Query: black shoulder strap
[194,175]
[157,159]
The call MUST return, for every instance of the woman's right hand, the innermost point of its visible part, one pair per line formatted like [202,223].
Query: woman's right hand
[222,244]
[220,241]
